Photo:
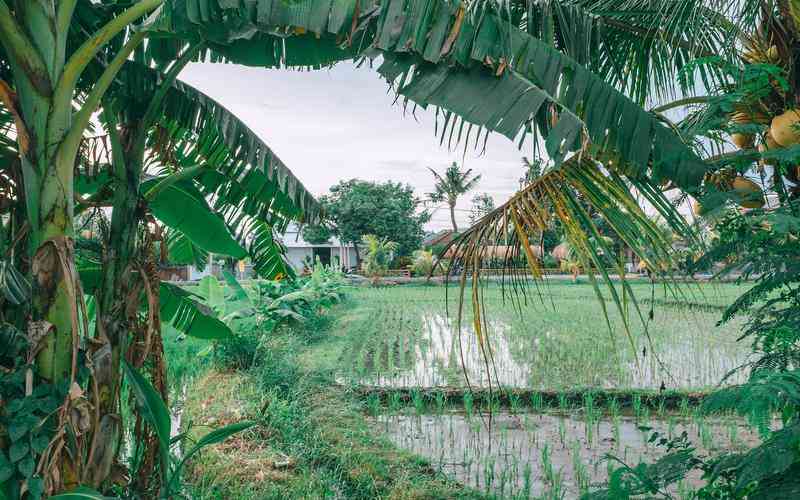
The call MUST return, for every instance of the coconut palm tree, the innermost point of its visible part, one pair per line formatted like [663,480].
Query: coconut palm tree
[450,185]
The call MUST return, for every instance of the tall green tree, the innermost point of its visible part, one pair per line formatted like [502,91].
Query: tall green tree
[450,186]
[387,210]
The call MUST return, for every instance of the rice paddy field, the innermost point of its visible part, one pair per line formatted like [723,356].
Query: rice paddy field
[566,389]
[559,340]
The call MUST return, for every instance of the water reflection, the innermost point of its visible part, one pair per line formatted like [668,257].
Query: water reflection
[539,355]
[530,455]
[438,360]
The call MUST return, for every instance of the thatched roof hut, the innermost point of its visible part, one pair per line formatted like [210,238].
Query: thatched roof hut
[561,252]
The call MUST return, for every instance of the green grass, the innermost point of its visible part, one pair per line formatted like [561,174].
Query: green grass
[314,440]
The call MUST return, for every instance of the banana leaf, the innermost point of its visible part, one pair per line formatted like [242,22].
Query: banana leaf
[178,208]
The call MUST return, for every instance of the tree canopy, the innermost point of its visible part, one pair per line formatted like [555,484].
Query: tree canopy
[389,210]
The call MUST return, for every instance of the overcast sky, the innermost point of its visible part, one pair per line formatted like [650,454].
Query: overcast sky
[339,123]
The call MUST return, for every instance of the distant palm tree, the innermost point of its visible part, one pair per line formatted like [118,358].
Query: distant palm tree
[450,186]
[533,170]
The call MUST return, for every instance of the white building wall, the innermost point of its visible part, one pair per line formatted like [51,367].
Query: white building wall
[296,256]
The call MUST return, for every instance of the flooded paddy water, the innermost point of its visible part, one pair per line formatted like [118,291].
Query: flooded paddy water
[553,455]
[406,339]
[403,339]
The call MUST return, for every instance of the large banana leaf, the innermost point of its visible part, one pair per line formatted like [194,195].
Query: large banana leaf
[190,316]
[177,207]
[477,66]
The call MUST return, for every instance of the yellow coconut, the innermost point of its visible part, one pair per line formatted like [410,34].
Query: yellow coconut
[784,128]
[770,141]
[698,209]
[743,141]
[749,193]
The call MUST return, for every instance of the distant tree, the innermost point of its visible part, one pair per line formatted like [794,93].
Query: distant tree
[317,234]
[389,210]
[450,186]
[533,170]
[482,204]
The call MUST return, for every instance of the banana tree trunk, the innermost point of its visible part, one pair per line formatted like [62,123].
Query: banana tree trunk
[115,316]
[54,295]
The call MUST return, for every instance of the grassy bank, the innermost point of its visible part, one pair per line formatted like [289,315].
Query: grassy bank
[314,440]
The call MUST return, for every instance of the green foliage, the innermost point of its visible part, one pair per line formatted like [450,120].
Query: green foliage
[379,252]
[317,234]
[761,246]
[649,480]
[155,413]
[764,246]
[26,419]
[387,210]
[254,316]
[423,263]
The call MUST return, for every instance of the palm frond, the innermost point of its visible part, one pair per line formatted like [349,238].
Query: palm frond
[563,194]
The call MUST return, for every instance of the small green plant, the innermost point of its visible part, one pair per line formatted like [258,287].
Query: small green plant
[469,403]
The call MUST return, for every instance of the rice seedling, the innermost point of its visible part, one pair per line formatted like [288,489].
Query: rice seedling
[373,404]
[441,401]
[419,403]
[536,402]
[468,402]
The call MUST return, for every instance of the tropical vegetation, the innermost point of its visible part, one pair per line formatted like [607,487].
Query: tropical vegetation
[356,208]
[379,254]
[82,319]
[450,185]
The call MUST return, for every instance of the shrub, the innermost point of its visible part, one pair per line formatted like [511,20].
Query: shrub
[422,263]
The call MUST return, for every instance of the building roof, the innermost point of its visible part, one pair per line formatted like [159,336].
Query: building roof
[293,238]
[442,237]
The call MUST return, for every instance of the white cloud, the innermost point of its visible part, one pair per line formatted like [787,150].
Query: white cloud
[341,123]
